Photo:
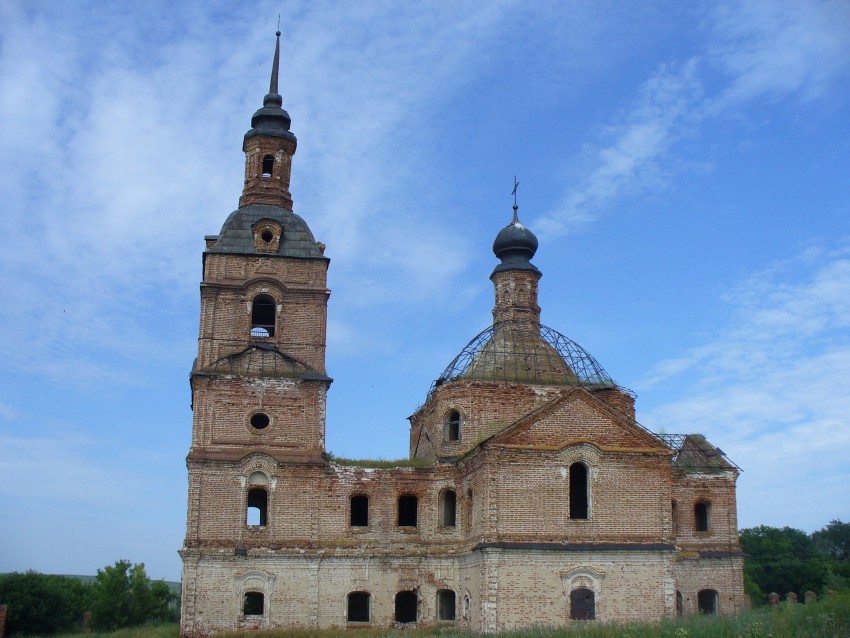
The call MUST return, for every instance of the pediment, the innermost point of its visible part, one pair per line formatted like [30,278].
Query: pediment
[578,417]
[260,361]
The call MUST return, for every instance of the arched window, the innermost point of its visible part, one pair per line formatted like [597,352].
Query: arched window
[268,165]
[445,605]
[451,426]
[469,509]
[258,505]
[359,511]
[358,606]
[702,516]
[408,506]
[262,316]
[448,508]
[582,604]
[708,601]
[405,607]
[578,491]
[674,517]
[253,604]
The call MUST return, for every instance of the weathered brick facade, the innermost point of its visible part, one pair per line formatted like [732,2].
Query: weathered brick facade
[533,498]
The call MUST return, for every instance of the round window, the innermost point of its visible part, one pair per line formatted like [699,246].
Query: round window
[259,421]
[267,236]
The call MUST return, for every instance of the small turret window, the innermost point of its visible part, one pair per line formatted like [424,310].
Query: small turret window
[451,426]
[268,165]
[262,316]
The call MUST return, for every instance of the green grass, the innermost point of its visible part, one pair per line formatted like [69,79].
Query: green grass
[378,463]
[824,619]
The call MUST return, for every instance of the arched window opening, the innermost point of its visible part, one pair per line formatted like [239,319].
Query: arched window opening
[258,505]
[448,508]
[708,601]
[445,605]
[702,516]
[469,509]
[253,604]
[262,316]
[359,511]
[358,606]
[578,491]
[268,165]
[451,426]
[674,517]
[405,607]
[582,604]
[408,506]
[680,603]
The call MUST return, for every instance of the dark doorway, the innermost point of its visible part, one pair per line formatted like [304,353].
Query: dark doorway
[707,601]
[582,604]
[578,491]
[405,606]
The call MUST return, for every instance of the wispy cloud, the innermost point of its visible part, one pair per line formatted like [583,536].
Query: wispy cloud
[772,385]
[758,50]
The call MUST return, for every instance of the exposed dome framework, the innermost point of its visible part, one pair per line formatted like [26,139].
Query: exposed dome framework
[522,353]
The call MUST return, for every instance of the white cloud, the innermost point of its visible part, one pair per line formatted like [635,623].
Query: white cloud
[762,49]
[771,389]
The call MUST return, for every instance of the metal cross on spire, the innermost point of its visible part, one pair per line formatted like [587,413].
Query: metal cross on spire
[516,185]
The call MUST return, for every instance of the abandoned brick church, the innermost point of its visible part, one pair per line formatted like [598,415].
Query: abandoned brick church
[536,498]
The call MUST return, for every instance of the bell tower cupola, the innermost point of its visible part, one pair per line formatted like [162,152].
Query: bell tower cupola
[269,147]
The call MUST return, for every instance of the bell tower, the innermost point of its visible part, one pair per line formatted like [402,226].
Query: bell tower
[259,381]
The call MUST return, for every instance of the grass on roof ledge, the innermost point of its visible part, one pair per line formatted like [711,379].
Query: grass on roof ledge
[377,463]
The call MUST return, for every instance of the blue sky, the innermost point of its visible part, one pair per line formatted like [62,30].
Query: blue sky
[686,167]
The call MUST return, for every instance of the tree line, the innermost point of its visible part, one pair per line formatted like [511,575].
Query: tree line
[121,595]
[783,560]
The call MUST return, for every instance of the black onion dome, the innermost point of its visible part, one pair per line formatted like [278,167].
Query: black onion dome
[515,245]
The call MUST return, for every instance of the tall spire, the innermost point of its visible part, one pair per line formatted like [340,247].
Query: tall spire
[273,95]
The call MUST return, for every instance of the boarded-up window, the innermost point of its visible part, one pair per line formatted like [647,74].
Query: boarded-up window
[582,604]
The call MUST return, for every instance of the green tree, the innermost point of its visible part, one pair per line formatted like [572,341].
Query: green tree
[782,560]
[124,596]
[42,604]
